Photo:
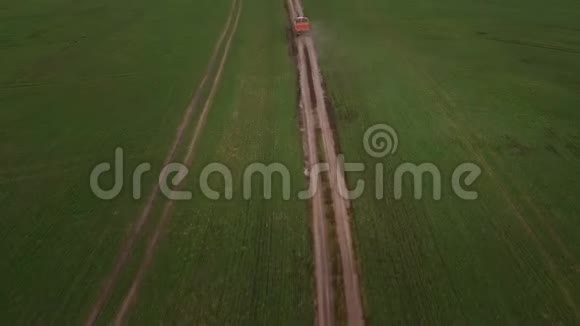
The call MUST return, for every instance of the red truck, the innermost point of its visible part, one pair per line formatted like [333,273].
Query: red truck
[301,25]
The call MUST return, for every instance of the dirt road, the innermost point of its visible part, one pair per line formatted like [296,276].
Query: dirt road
[311,80]
[322,262]
[338,186]
[136,229]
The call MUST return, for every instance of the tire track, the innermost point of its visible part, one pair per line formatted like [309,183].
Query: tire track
[322,263]
[168,209]
[136,229]
[355,315]
[311,79]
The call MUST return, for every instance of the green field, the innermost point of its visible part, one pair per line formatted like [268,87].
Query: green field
[241,262]
[79,78]
[492,82]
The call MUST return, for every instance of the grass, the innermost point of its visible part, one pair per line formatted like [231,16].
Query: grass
[494,83]
[490,82]
[243,262]
[87,77]
[78,79]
